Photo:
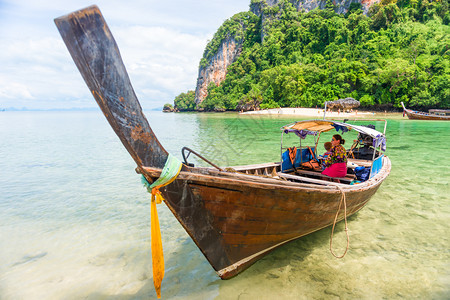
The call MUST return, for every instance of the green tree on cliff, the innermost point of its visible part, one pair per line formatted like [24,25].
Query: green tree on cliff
[398,52]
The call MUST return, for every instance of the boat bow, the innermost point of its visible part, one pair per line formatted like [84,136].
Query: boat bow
[95,53]
[234,217]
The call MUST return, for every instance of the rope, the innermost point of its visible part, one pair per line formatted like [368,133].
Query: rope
[171,169]
[334,223]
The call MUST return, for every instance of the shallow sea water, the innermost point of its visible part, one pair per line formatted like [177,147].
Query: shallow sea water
[75,218]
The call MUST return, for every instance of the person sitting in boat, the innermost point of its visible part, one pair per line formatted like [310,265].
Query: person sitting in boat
[327,146]
[336,163]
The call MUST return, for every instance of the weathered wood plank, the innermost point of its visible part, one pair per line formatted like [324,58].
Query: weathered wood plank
[95,53]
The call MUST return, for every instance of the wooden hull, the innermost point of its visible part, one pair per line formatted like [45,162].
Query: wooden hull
[418,115]
[425,116]
[233,218]
[237,219]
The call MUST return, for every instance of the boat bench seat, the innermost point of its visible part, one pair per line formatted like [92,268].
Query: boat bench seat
[258,169]
[361,162]
[348,178]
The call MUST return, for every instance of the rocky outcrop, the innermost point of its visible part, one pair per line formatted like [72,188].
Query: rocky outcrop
[216,70]
[229,50]
[249,105]
[340,6]
[169,108]
[347,103]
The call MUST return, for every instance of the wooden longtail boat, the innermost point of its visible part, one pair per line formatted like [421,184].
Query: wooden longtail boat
[234,216]
[432,114]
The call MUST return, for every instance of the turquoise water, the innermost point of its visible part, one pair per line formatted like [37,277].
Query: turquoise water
[75,219]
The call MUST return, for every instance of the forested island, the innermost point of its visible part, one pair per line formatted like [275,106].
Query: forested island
[397,52]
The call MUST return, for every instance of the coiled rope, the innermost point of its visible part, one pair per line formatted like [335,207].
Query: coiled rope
[334,224]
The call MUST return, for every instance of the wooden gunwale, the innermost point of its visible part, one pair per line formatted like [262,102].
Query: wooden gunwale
[223,177]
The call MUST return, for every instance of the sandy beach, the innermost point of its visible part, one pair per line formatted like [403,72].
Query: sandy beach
[310,112]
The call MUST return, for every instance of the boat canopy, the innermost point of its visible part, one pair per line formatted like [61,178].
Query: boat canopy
[303,128]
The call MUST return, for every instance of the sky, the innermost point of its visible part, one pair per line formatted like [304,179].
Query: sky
[161,44]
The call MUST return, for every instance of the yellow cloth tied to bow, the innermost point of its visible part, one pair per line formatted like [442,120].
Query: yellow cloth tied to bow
[170,171]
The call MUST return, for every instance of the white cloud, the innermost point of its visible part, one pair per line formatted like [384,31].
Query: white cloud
[12,90]
[38,69]
[160,59]
[161,44]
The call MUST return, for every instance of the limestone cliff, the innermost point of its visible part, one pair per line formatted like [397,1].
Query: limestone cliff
[341,6]
[214,67]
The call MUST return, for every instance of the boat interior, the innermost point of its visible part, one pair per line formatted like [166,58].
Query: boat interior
[302,174]
[440,112]
[364,161]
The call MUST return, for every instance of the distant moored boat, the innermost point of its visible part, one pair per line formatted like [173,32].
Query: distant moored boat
[432,114]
